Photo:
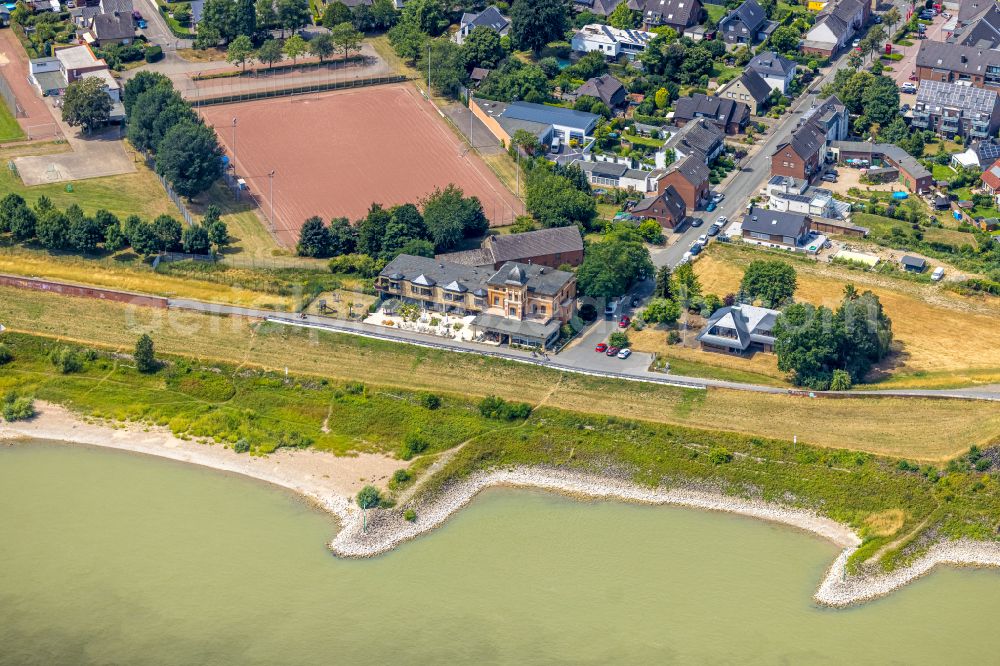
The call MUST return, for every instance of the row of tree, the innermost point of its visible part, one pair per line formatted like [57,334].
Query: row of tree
[342,37]
[72,230]
[162,123]
[443,219]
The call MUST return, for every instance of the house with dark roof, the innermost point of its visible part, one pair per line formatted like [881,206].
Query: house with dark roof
[606,88]
[912,174]
[835,27]
[677,14]
[831,116]
[522,304]
[777,229]
[728,115]
[598,7]
[490,18]
[747,24]
[666,207]
[739,329]
[698,137]
[108,29]
[801,155]
[777,71]
[689,177]
[951,63]
[980,27]
[750,89]
[913,264]
[620,175]
[554,247]
[952,109]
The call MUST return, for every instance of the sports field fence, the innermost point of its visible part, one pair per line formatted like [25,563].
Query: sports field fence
[240,89]
[185,213]
[11,99]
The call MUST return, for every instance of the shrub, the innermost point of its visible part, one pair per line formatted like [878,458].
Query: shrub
[430,401]
[154,53]
[493,407]
[841,381]
[241,446]
[413,444]
[401,476]
[368,497]
[6,356]
[18,409]
[673,337]
[65,360]
[145,355]
[719,456]
[354,388]
[618,339]
[410,515]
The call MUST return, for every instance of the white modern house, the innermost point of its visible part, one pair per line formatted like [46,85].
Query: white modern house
[489,18]
[612,42]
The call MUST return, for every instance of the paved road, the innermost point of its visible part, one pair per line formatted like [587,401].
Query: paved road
[580,359]
[158,32]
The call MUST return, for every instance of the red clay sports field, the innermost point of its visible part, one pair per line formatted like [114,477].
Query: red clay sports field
[333,154]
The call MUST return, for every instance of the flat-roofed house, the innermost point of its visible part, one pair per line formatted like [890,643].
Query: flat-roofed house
[777,229]
[503,119]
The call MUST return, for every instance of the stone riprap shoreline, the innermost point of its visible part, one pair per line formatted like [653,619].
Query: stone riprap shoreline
[330,481]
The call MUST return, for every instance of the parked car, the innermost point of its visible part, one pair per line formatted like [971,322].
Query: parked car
[710,207]
[142,24]
[913,76]
[625,353]
[878,19]
[601,347]
[695,249]
[696,221]
[937,274]
[714,230]
[718,196]
[722,221]
[908,88]
[624,322]
[856,44]
[829,177]
[703,239]
[686,258]
[904,108]
[612,351]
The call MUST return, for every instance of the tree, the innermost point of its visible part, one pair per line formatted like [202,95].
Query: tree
[773,282]
[624,17]
[896,132]
[322,46]
[685,284]
[267,18]
[371,229]
[662,311]
[295,46]
[535,23]
[384,14]
[555,202]
[482,48]
[114,239]
[314,239]
[145,355]
[219,18]
[270,52]
[208,37]
[806,342]
[245,18]
[892,17]
[140,83]
[516,80]
[408,41]
[785,39]
[293,14]
[218,234]
[85,233]
[240,52]
[450,216]
[840,381]
[662,98]
[347,38]
[447,71]
[343,237]
[335,13]
[195,240]
[618,339]
[663,287]
[166,233]
[429,16]
[189,157]
[141,237]
[52,230]
[368,498]
[86,104]
[16,217]
[866,333]
[610,267]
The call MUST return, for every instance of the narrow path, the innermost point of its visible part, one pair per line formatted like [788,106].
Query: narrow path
[877,555]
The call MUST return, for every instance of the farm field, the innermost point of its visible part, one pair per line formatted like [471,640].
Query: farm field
[877,425]
[334,154]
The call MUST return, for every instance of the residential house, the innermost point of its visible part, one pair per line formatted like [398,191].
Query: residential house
[677,14]
[554,247]
[750,89]
[792,195]
[728,115]
[913,264]
[612,42]
[747,24]
[606,88]
[952,63]
[698,137]
[598,7]
[991,181]
[739,329]
[46,75]
[75,61]
[545,122]
[777,71]
[488,18]
[835,27]
[980,26]
[52,75]
[617,175]
[979,155]
[112,6]
[801,156]
[666,207]
[518,303]
[831,116]
[108,29]
[689,177]
[952,109]
[777,229]
[912,174]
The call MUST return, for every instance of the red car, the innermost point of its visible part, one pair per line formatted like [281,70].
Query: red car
[612,351]
[624,321]
[601,348]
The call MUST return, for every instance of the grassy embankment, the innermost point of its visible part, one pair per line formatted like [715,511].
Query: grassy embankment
[227,403]
[932,326]
[878,425]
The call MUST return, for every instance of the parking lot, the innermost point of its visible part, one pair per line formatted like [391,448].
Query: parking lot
[902,69]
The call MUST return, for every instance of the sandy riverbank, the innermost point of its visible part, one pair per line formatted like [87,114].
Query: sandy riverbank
[332,481]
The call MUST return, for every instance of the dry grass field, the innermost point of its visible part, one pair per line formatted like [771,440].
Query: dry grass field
[934,328]
[878,425]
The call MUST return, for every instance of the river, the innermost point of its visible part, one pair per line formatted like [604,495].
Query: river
[109,557]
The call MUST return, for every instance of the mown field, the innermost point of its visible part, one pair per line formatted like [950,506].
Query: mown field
[9,129]
[933,327]
[878,425]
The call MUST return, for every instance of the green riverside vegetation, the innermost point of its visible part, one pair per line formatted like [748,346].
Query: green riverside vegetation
[258,411]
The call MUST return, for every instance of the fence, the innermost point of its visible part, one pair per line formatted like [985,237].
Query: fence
[11,99]
[185,213]
[227,91]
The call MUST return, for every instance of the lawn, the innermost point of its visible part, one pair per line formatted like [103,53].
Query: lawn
[643,140]
[9,129]
[882,425]
[942,172]
[715,12]
[931,326]
[965,194]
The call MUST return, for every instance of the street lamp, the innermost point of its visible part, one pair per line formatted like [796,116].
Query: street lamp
[270,195]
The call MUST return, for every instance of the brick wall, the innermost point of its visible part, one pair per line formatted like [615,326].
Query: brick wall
[85,292]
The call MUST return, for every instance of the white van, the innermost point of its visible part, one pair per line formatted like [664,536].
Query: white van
[937,274]
[556,143]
